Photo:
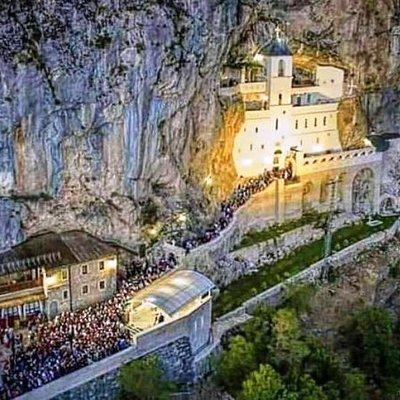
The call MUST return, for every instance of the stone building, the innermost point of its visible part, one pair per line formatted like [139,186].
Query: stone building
[291,120]
[283,113]
[55,272]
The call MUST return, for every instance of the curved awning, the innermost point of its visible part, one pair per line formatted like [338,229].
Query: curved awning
[175,291]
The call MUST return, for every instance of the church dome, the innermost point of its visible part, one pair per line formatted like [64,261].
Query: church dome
[277,47]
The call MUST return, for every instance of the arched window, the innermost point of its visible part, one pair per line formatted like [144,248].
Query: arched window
[276,124]
[315,122]
[306,123]
[281,68]
[296,125]
[324,121]
[280,99]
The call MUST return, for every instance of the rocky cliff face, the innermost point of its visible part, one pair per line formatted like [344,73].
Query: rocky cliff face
[106,103]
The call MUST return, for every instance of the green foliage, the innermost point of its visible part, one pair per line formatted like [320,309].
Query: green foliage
[372,344]
[143,380]
[264,384]
[275,231]
[276,360]
[235,364]
[267,276]
[298,298]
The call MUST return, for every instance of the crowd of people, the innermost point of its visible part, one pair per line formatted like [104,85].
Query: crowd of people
[75,339]
[239,197]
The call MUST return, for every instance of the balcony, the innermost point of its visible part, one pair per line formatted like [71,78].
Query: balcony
[21,289]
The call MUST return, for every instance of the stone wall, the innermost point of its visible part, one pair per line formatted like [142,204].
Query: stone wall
[274,295]
[176,360]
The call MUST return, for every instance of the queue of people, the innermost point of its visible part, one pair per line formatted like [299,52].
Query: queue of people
[73,340]
[240,196]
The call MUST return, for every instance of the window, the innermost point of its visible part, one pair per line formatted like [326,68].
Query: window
[101,265]
[11,311]
[102,285]
[256,130]
[296,125]
[251,147]
[65,294]
[262,147]
[64,274]
[315,122]
[280,99]
[32,308]
[317,140]
[276,124]
[301,143]
[309,98]
[306,123]
[298,101]
[324,121]
[332,81]
[281,68]
[85,289]
[84,269]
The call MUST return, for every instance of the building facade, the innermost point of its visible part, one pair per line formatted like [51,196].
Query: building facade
[55,272]
[283,114]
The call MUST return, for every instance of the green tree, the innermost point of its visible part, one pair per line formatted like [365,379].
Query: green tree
[369,337]
[259,332]
[235,364]
[307,389]
[354,386]
[143,380]
[264,384]
[288,348]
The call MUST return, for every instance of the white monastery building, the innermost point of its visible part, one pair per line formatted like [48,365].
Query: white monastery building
[289,115]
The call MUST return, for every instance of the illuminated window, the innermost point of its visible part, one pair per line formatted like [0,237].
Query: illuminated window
[84,269]
[276,124]
[297,124]
[281,68]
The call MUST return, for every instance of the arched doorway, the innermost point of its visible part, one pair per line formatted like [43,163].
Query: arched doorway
[388,205]
[53,309]
[307,197]
[363,192]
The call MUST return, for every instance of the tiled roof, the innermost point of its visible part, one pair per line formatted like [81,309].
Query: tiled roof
[53,249]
